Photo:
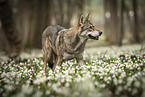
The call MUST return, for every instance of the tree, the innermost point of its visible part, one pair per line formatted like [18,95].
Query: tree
[141,19]
[121,34]
[11,33]
[136,31]
[111,21]
[33,17]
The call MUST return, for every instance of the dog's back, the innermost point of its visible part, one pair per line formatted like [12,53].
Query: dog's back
[51,33]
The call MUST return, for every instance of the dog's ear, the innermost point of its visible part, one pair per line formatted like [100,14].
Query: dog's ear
[81,21]
[87,18]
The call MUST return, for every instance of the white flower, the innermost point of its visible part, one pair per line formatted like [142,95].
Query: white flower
[120,81]
[67,84]
[119,70]
[68,80]
[62,80]
[37,94]
[137,84]
[138,68]
[107,70]
[40,80]
[9,87]
[115,81]
[129,89]
[119,89]
[103,85]
[113,76]
[134,91]
[112,71]
[101,77]
[54,86]
[47,92]
[96,83]
[123,75]
[94,78]
[109,78]
[26,89]
[105,79]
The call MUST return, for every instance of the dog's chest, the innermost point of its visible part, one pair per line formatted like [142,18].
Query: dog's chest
[67,56]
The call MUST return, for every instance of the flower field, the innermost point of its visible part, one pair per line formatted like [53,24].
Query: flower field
[107,72]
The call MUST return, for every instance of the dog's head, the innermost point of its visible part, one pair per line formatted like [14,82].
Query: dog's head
[87,29]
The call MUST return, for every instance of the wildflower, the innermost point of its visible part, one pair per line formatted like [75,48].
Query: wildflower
[119,89]
[67,84]
[115,81]
[113,76]
[112,71]
[134,91]
[105,79]
[47,92]
[103,85]
[96,83]
[137,84]
[101,77]
[26,89]
[120,81]
[38,94]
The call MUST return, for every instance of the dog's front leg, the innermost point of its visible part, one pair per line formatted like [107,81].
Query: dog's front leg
[59,61]
[80,60]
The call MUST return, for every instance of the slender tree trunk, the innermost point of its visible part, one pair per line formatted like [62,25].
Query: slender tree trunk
[121,23]
[107,18]
[141,19]
[136,31]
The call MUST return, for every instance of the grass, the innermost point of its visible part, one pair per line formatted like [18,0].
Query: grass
[108,71]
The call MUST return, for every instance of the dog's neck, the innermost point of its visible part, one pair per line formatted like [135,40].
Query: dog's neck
[73,41]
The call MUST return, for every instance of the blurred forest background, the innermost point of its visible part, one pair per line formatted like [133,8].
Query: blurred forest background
[122,21]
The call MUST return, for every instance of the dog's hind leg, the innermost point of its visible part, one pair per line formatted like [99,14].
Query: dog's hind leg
[80,60]
[46,57]
[59,62]
[52,60]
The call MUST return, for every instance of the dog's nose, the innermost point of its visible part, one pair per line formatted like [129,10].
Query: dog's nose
[100,33]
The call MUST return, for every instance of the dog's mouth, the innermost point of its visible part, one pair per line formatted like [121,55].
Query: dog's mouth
[93,37]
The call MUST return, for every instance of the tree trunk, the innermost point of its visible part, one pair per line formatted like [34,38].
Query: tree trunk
[111,21]
[11,33]
[33,18]
[59,11]
[107,18]
[80,7]
[141,19]
[69,14]
[121,23]
[136,31]
[42,20]
[23,18]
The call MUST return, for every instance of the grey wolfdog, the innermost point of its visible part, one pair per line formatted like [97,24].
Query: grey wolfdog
[60,44]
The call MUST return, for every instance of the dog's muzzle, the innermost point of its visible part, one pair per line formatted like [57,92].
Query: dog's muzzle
[95,37]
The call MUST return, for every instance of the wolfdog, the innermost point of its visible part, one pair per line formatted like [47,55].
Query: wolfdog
[60,44]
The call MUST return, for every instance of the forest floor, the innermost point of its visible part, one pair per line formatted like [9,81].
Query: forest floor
[108,71]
